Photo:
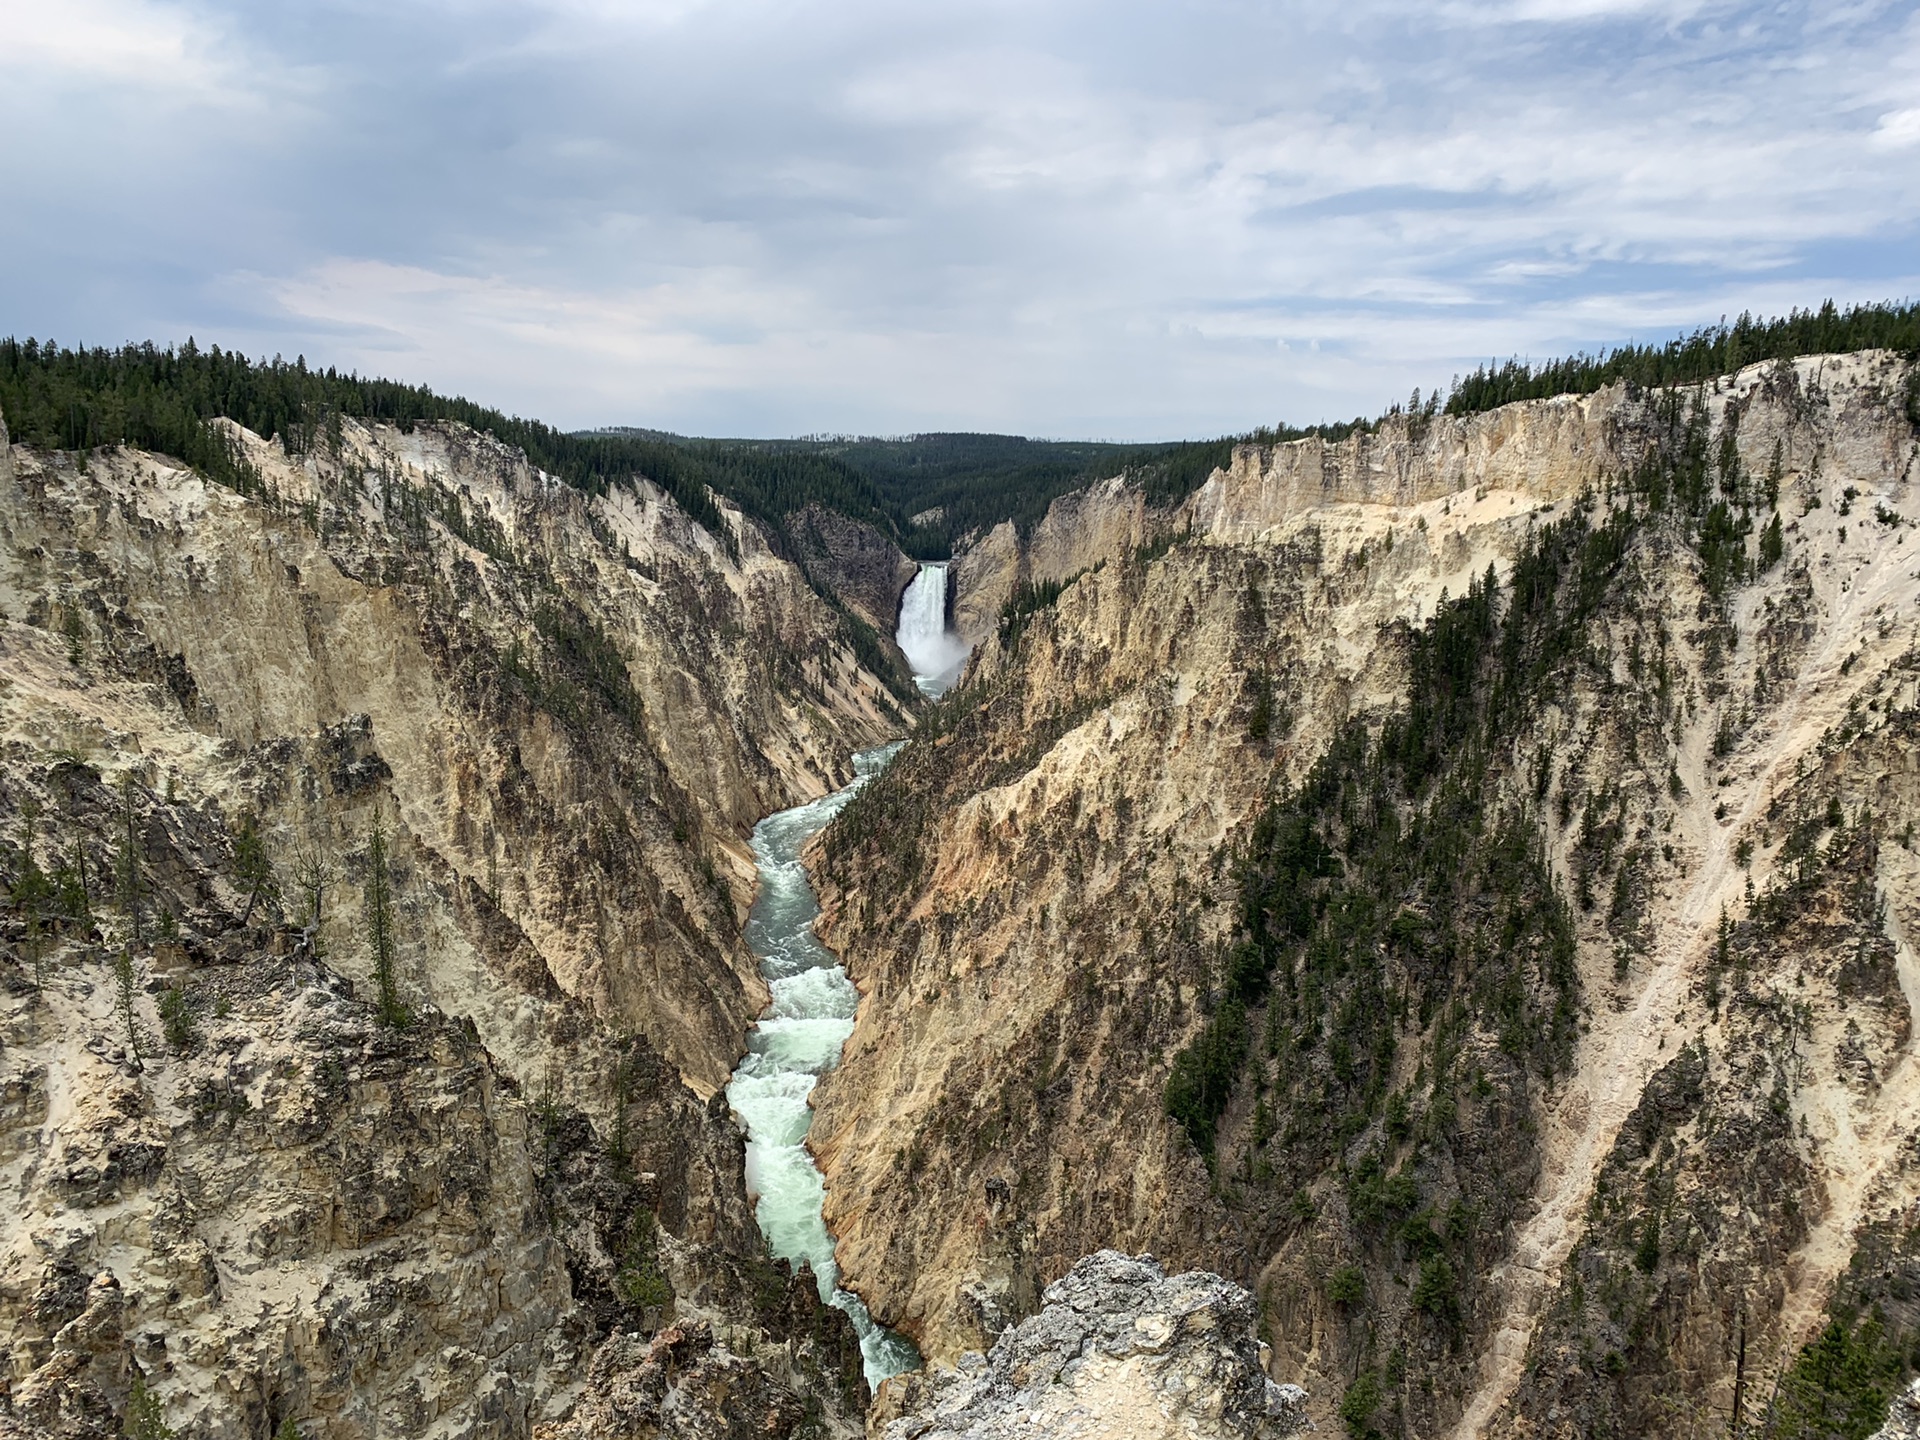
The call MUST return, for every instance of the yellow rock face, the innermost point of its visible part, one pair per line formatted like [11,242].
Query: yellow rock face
[1034,932]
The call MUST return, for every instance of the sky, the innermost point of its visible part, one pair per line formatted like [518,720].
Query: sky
[1121,220]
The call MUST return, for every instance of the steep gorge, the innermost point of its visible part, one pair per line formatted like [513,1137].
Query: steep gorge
[467,674]
[1508,1129]
[1456,882]
[545,722]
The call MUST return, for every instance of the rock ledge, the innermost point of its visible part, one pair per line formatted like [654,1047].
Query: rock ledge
[1120,1349]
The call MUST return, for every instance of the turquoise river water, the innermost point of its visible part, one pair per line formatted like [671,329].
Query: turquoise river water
[800,1036]
[797,1041]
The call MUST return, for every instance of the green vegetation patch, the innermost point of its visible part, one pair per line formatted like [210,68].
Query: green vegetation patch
[162,400]
[1708,352]
[1390,875]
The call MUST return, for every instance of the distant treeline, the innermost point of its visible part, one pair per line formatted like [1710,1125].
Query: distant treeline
[973,482]
[1707,352]
[966,482]
[924,492]
[954,483]
[162,400]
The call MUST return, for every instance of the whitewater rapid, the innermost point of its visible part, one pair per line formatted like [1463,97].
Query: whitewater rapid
[810,1016]
[797,1041]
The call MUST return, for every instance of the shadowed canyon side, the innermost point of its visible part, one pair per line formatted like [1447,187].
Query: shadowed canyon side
[1458,882]
[377,844]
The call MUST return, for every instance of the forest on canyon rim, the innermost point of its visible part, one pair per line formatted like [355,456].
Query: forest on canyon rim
[1452,874]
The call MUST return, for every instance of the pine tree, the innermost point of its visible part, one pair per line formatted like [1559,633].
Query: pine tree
[380,937]
[1772,543]
[31,893]
[1840,1383]
[126,1003]
[130,879]
[145,1420]
[176,1018]
[74,631]
[254,871]
[70,887]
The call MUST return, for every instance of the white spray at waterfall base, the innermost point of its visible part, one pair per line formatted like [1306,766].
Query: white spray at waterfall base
[934,651]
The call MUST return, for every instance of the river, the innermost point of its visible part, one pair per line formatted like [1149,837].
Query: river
[810,1016]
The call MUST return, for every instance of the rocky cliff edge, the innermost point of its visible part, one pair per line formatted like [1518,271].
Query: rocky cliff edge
[1120,1349]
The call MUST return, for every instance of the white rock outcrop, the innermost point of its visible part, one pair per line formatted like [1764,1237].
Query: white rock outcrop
[1903,1416]
[1119,1349]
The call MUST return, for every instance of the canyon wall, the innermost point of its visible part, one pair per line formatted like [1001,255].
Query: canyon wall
[1086,528]
[858,564]
[573,708]
[1527,1133]
[1456,884]
[471,1178]
[1550,449]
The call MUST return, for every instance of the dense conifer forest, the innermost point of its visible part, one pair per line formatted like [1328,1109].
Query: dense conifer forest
[161,399]
[943,486]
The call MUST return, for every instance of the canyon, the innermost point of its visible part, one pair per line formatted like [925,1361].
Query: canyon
[1411,935]
[230,1181]
[1584,1141]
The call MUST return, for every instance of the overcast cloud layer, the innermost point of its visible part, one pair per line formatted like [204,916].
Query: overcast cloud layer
[1128,220]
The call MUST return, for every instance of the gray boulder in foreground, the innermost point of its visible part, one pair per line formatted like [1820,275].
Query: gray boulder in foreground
[1120,1349]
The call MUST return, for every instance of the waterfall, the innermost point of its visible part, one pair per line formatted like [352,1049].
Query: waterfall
[934,651]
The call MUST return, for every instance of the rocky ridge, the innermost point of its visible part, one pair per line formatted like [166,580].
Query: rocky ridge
[1903,1416]
[1546,450]
[264,1205]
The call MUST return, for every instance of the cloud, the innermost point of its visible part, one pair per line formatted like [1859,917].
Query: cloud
[1897,129]
[1578,11]
[714,328]
[1124,219]
[116,40]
